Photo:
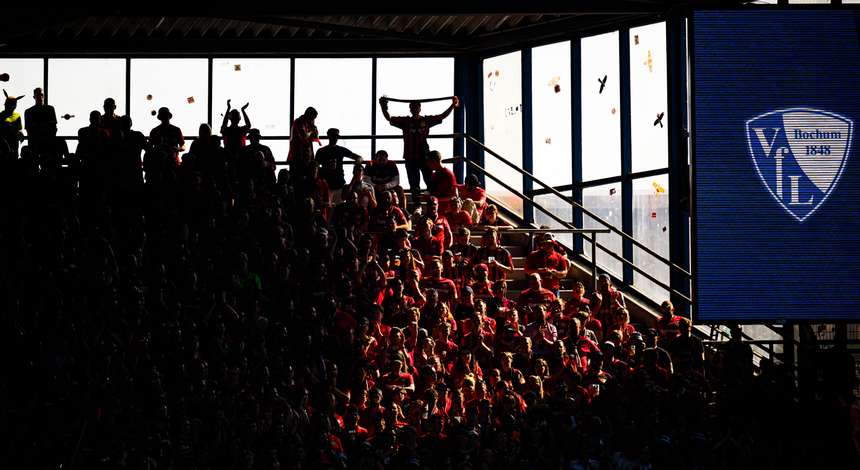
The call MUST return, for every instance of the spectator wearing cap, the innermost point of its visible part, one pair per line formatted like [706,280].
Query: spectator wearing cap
[330,160]
[254,147]
[166,136]
[547,262]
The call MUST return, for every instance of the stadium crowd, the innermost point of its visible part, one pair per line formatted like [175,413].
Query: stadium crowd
[165,309]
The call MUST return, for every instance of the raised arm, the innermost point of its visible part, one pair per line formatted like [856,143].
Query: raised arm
[383,103]
[226,116]
[245,115]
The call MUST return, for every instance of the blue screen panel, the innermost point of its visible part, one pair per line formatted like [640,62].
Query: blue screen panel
[776,177]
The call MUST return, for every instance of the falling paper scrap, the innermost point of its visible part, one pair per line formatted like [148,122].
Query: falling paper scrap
[611,191]
[602,84]
[497,73]
[659,119]
[636,39]
[554,81]
[237,67]
[557,88]
[4,77]
[664,228]
[650,63]
[153,112]
[548,141]
[653,215]
[658,187]
[67,116]
[190,100]
[148,97]
[613,110]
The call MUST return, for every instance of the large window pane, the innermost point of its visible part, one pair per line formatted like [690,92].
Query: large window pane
[604,202]
[410,78]
[559,208]
[339,89]
[651,227]
[503,131]
[551,114]
[264,83]
[601,111]
[24,76]
[80,86]
[648,118]
[181,85]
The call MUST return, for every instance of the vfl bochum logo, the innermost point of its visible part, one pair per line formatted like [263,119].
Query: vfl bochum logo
[799,154]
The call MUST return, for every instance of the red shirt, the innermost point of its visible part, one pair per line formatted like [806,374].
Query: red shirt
[499,254]
[445,287]
[443,183]
[415,131]
[461,218]
[553,260]
[428,246]
[533,297]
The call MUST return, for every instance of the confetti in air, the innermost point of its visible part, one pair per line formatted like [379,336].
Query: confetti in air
[659,120]
[658,187]
[612,191]
[153,112]
[548,141]
[237,67]
[636,39]
[148,97]
[653,215]
[190,100]
[613,110]
[602,84]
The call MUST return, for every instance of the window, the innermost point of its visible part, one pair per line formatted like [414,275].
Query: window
[648,120]
[409,78]
[601,97]
[561,209]
[80,86]
[604,202]
[551,127]
[24,76]
[340,91]
[181,85]
[651,228]
[503,126]
[263,83]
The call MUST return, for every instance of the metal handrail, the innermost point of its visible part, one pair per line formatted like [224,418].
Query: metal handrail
[573,203]
[592,241]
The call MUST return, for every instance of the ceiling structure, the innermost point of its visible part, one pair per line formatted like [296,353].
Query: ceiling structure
[331,28]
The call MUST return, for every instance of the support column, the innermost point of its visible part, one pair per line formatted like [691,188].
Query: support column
[626,150]
[528,158]
[679,168]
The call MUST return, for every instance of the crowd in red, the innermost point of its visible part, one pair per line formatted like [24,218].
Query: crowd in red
[218,315]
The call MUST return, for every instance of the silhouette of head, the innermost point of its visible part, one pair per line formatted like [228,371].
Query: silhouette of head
[109,106]
[164,115]
[38,96]
[415,108]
